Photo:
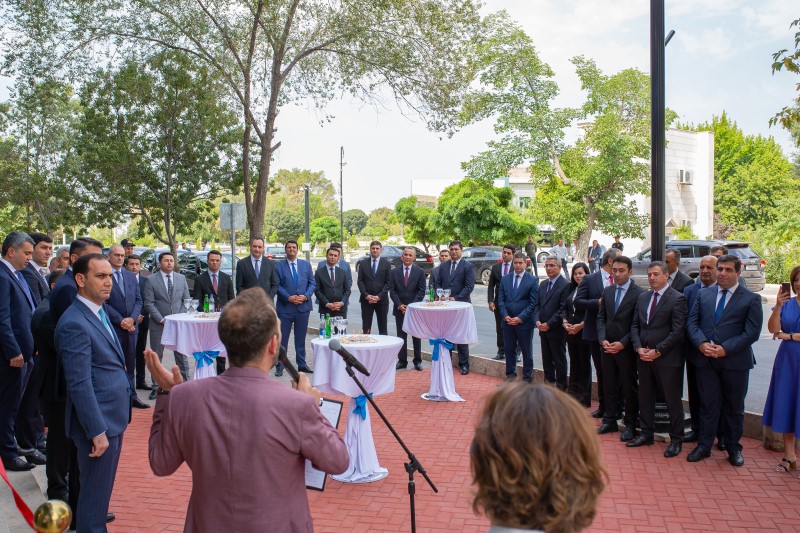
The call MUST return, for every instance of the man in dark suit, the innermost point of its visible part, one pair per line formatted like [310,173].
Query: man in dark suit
[37,271]
[333,287]
[436,272]
[64,292]
[706,278]
[594,256]
[98,390]
[548,321]
[517,301]
[614,320]
[459,277]
[373,283]
[295,288]
[497,272]
[677,279]
[587,298]
[343,264]
[657,336]
[218,286]
[723,324]
[133,263]
[407,285]
[124,306]
[16,342]
[256,270]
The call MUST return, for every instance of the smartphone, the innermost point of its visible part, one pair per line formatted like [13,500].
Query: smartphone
[785,288]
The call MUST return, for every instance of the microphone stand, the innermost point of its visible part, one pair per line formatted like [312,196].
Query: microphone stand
[413,463]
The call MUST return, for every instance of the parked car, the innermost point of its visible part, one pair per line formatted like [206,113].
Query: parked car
[482,258]
[276,253]
[228,261]
[393,253]
[753,266]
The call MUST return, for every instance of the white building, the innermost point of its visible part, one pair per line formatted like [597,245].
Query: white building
[689,162]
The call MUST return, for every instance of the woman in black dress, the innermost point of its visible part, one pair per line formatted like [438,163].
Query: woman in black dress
[580,360]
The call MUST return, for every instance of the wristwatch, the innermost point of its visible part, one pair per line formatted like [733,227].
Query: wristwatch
[162,392]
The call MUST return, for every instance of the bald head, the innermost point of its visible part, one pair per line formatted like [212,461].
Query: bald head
[708,270]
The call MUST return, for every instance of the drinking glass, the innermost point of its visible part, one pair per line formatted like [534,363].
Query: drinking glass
[337,326]
[186,303]
[344,326]
[439,293]
[446,293]
[195,305]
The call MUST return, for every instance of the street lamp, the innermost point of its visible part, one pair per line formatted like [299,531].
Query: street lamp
[306,189]
[341,195]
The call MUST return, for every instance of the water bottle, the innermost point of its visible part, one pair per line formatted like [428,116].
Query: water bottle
[211,303]
[321,326]
[205,303]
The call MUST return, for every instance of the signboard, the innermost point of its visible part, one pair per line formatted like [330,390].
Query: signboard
[232,217]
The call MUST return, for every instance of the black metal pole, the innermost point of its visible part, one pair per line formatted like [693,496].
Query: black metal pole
[657,131]
[341,196]
[308,231]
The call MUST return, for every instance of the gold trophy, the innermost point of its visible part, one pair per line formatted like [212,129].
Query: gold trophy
[53,516]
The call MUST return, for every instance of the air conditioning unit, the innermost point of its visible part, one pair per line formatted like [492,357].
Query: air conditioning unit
[685,177]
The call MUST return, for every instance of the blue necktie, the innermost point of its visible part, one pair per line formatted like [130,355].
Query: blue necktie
[374,267]
[120,284]
[257,268]
[25,288]
[516,283]
[107,323]
[720,306]
[618,298]
[294,274]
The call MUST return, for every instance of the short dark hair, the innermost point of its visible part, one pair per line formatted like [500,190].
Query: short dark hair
[673,251]
[162,254]
[373,243]
[40,237]
[246,325]
[81,266]
[737,263]
[54,276]
[135,257]
[718,248]
[659,264]
[336,245]
[81,243]
[518,255]
[455,243]
[608,256]
[290,242]
[253,239]
[215,252]
[510,247]
[626,260]
[333,249]
[14,240]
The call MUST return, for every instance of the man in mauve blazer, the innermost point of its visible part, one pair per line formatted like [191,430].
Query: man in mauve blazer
[723,324]
[407,285]
[614,322]
[295,288]
[333,296]
[518,301]
[233,488]
[459,276]
[98,408]
[267,277]
[373,284]
[657,336]
[548,321]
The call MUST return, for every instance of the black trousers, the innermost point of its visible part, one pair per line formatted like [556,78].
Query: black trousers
[402,355]
[620,371]
[60,451]
[722,393]
[596,352]
[381,309]
[580,370]
[668,380]
[141,344]
[30,420]
[498,326]
[12,385]
[694,402]
[554,358]
[463,355]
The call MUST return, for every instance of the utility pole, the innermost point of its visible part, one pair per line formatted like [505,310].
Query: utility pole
[657,132]
[306,188]
[341,195]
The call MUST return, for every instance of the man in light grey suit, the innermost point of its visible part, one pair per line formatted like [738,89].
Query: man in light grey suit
[164,293]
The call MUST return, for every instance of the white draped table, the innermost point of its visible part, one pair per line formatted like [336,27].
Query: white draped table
[195,335]
[330,376]
[451,323]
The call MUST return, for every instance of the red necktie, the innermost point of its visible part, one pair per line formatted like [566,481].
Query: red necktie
[405,278]
[652,308]
[505,269]
[214,283]
[610,280]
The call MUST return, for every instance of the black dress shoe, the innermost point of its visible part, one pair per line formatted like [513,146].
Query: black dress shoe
[110,517]
[278,372]
[305,370]
[464,370]
[153,394]
[692,436]
[672,450]
[628,434]
[400,365]
[597,413]
[36,458]
[607,428]
[735,458]
[499,357]
[418,366]
[698,454]
[641,440]
[528,380]
[17,464]
[143,386]
[721,445]
[136,403]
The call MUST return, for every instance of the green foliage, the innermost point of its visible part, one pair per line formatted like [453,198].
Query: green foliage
[352,242]
[287,192]
[355,220]
[324,229]
[789,116]
[419,222]
[381,223]
[282,224]
[684,232]
[477,212]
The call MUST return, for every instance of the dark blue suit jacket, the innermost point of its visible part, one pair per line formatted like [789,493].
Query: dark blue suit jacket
[521,303]
[691,291]
[62,295]
[129,305]
[461,282]
[15,318]
[738,328]
[98,391]
[286,287]
[587,298]
[551,305]
[39,287]
[402,294]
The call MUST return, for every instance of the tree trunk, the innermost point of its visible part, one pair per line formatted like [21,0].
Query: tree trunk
[582,253]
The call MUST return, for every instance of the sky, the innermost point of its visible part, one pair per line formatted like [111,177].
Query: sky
[719,60]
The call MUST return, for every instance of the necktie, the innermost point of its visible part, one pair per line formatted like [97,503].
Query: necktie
[549,286]
[669,281]
[618,298]
[453,266]
[652,308]
[720,306]
[107,323]
[294,274]
[516,282]
[258,267]
[333,278]
[25,288]
[405,278]
[505,269]
[610,280]
[120,284]
[374,267]
[169,286]
[214,282]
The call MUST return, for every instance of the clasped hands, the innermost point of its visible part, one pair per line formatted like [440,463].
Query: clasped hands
[543,327]
[335,306]
[648,354]
[128,324]
[612,347]
[297,299]
[709,349]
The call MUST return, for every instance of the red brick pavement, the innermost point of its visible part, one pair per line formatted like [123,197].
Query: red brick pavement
[646,492]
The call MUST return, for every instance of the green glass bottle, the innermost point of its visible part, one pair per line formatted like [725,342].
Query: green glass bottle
[205,303]
[327,326]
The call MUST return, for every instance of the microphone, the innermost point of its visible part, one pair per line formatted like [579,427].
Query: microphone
[349,358]
[282,359]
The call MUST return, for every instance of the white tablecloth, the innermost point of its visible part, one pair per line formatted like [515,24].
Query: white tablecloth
[188,334]
[330,376]
[454,322]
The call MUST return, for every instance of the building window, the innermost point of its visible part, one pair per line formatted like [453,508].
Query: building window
[524,202]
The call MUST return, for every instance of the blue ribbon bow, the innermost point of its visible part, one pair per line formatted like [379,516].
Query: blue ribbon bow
[439,342]
[361,406]
[205,358]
